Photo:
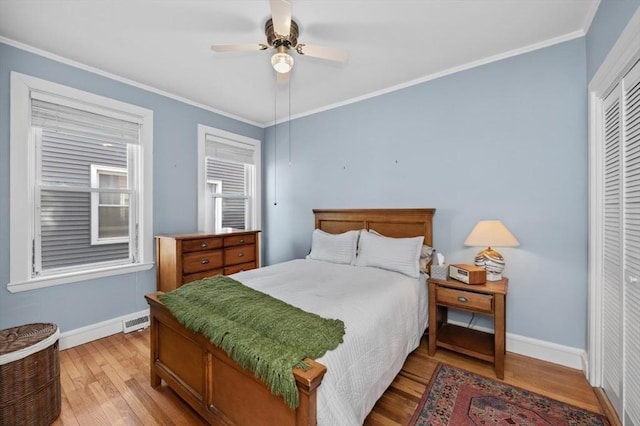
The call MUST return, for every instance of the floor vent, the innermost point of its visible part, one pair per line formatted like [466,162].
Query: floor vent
[135,324]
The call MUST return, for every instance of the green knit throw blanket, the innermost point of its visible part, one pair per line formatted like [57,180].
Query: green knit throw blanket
[264,335]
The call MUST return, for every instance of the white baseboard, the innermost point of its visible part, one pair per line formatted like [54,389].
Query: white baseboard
[534,348]
[547,351]
[543,350]
[86,334]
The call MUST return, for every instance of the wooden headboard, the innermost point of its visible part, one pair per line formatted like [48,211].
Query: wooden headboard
[399,223]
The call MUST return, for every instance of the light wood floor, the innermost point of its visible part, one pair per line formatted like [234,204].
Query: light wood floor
[106,382]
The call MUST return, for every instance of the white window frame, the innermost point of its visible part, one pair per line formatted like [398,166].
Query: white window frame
[96,171]
[254,206]
[215,203]
[23,183]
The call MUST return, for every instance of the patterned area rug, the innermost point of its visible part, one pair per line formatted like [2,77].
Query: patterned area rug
[457,397]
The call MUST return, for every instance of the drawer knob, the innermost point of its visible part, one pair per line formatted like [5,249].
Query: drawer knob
[241,240]
[241,254]
[462,299]
[204,261]
[204,244]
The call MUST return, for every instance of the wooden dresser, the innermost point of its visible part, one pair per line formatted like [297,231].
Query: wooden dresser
[188,257]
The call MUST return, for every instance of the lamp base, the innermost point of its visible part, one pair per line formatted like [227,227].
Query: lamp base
[493,277]
[492,262]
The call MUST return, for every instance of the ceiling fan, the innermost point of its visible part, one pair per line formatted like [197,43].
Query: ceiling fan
[282,35]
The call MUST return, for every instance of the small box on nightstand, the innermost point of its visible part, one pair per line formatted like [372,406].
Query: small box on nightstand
[439,272]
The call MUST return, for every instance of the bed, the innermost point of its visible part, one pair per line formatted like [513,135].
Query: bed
[223,393]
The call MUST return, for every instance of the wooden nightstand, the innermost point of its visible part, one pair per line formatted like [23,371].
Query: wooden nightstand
[486,299]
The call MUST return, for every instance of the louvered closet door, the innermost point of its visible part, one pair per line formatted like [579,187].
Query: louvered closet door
[612,321]
[631,236]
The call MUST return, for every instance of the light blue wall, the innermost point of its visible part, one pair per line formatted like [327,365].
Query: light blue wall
[174,196]
[606,27]
[507,140]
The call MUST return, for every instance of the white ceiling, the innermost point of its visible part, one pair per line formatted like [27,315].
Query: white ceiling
[165,44]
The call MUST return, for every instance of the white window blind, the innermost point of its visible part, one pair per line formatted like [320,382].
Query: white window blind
[53,115]
[228,150]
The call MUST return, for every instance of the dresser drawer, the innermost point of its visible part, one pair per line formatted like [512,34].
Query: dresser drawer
[202,261]
[465,300]
[201,244]
[201,275]
[237,240]
[239,268]
[239,254]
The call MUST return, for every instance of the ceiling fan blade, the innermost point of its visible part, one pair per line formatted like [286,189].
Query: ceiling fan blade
[281,17]
[222,48]
[322,52]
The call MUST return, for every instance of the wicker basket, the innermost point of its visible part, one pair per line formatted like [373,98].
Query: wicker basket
[29,375]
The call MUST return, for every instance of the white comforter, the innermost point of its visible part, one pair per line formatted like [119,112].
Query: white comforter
[385,314]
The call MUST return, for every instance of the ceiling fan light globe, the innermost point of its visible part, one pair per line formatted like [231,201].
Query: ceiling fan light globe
[282,62]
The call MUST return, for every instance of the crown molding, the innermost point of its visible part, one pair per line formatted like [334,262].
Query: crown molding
[136,84]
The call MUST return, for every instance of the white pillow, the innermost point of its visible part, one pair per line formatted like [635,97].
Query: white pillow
[335,248]
[394,254]
[425,253]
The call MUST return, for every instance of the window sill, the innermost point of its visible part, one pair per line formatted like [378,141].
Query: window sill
[42,282]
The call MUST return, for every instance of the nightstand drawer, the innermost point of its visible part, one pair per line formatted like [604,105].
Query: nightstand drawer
[201,244]
[203,261]
[465,300]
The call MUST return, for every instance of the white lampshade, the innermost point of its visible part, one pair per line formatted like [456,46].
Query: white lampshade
[491,233]
[282,62]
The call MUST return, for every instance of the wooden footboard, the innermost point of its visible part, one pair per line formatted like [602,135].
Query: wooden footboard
[215,386]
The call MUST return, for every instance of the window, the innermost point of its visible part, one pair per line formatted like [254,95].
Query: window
[229,174]
[80,185]
[110,205]
[228,194]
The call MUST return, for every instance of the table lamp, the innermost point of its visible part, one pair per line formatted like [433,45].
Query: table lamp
[491,233]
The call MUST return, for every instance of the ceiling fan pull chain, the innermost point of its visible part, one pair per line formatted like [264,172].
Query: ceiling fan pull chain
[289,87]
[275,143]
